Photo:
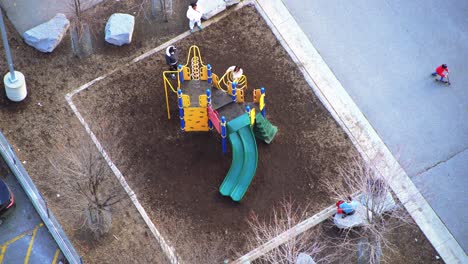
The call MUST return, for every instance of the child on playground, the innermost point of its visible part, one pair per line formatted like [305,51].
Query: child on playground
[171,59]
[346,208]
[194,15]
[237,72]
[442,71]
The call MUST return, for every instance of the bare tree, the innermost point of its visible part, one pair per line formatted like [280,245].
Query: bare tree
[81,38]
[382,215]
[86,173]
[283,218]
[162,8]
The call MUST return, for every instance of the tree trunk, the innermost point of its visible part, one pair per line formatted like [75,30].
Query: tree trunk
[82,45]
[365,254]
[98,221]
[161,8]
[156,7]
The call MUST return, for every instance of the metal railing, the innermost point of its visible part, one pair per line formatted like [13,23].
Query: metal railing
[39,203]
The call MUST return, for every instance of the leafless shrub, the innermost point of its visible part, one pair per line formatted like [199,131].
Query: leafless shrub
[81,28]
[285,217]
[162,8]
[372,189]
[89,183]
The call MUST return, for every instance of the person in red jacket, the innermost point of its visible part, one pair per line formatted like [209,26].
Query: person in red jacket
[442,71]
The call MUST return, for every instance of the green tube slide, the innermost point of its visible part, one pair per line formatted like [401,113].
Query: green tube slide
[244,158]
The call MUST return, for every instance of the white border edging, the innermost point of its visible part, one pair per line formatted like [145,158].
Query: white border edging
[335,98]
[287,235]
[168,250]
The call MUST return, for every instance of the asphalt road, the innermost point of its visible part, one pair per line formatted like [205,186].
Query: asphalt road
[383,52]
[23,236]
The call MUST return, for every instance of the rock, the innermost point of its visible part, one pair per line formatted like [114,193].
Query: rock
[119,29]
[303,258]
[211,7]
[231,2]
[357,219]
[45,37]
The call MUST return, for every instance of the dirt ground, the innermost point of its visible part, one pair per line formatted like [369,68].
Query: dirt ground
[176,175]
[43,121]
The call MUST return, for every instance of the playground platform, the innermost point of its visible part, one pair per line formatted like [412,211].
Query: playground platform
[220,101]
[208,102]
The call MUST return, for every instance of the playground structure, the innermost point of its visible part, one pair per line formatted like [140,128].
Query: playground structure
[220,100]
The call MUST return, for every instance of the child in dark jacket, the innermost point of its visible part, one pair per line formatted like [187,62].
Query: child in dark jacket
[171,59]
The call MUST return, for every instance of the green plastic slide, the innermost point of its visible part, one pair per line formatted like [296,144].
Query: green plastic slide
[263,129]
[244,158]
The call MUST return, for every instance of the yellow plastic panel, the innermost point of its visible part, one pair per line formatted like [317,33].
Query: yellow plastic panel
[215,80]
[185,100]
[240,96]
[186,73]
[256,95]
[204,73]
[252,116]
[203,100]
[262,101]
[196,119]
[229,86]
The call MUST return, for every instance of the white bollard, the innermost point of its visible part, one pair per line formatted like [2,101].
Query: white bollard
[15,90]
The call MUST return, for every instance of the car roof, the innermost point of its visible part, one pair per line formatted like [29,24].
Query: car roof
[4,193]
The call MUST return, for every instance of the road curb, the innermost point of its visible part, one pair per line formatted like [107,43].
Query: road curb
[335,98]
[38,202]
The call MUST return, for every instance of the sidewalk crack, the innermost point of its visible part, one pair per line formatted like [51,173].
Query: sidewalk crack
[440,162]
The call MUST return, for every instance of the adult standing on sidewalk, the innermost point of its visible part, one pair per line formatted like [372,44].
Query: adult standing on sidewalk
[194,15]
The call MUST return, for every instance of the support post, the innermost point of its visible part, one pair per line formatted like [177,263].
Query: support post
[181,73]
[249,113]
[210,75]
[234,92]
[223,134]
[181,110]
[15,85]
[208,99]
[262,101]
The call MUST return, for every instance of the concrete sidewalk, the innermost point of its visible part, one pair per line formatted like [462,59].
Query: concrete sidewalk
[26,14]
[326,85]
[383,53]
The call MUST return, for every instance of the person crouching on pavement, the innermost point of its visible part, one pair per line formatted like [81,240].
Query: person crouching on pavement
[194,15]
[172,60]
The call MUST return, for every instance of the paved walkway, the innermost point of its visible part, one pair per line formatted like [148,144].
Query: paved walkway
[382,52]
[354,37]
[26,14]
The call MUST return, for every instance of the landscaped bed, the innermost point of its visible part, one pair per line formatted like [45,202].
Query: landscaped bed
[43,121]
[176,175]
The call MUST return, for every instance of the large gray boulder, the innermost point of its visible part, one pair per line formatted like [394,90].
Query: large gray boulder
[210,8]
[231,2]
[119,29]
[303,258]
[359,218]
[45,37]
